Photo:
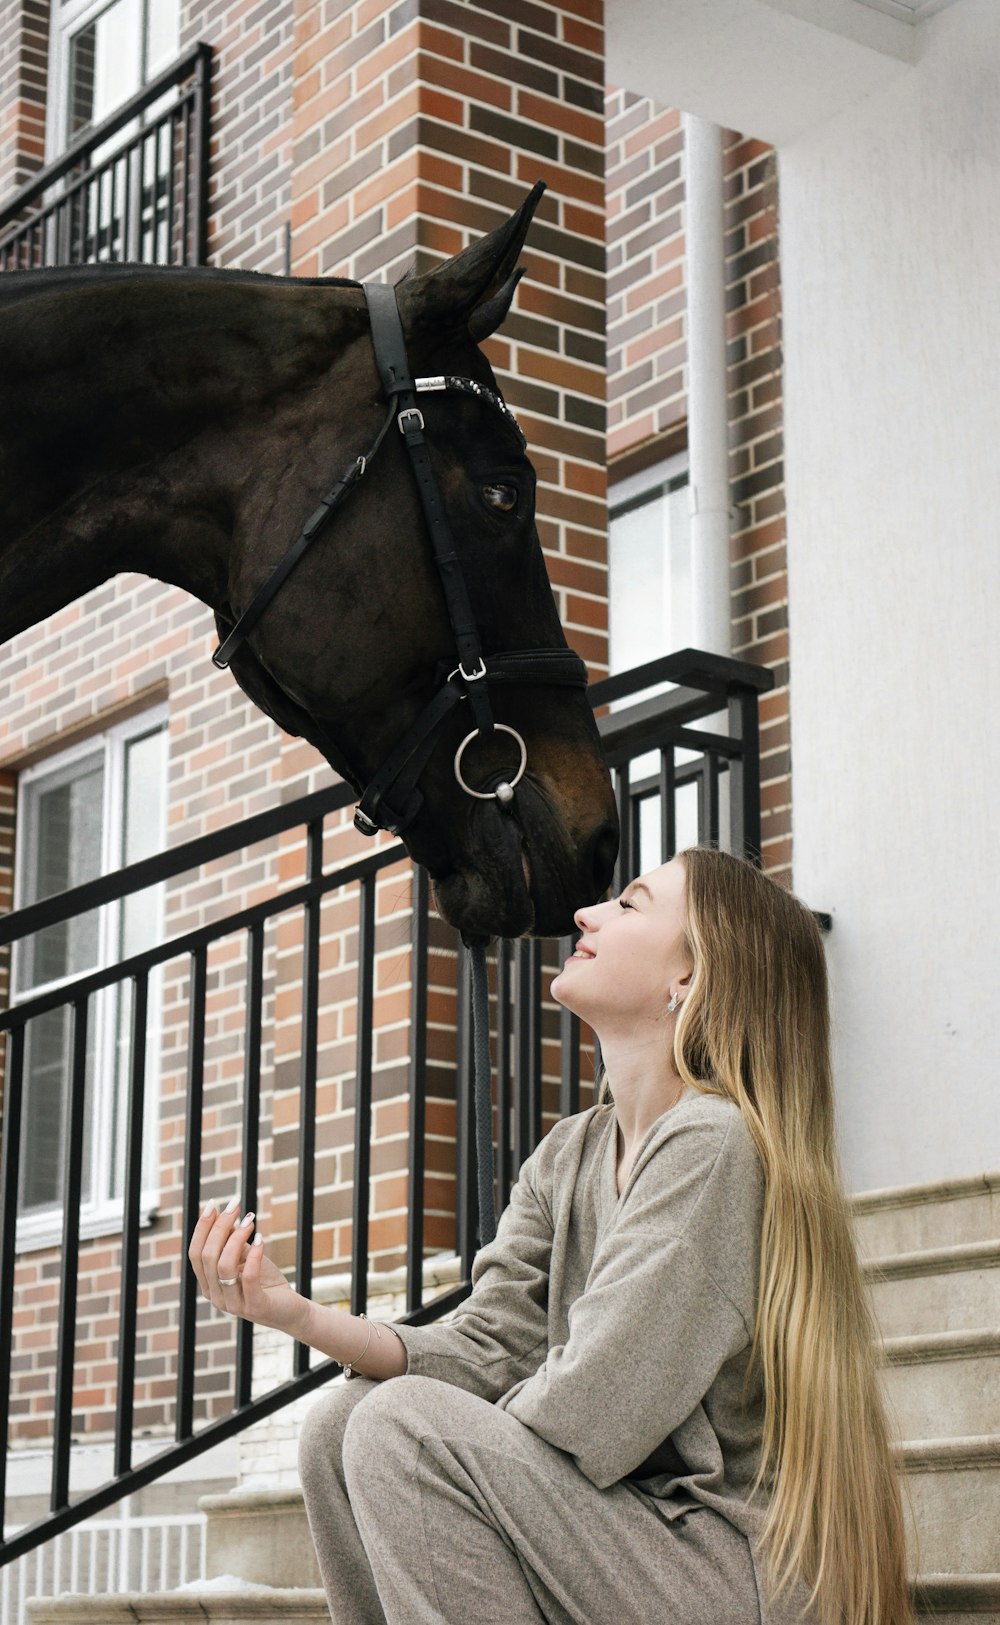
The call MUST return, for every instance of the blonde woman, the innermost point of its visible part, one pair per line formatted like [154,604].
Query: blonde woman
[660,1405]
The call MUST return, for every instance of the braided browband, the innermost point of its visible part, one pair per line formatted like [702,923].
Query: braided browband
[468,386]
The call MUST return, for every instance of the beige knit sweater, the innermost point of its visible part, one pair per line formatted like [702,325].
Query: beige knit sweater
[619,1328]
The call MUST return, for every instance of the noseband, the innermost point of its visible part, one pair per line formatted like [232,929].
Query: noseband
[471,678]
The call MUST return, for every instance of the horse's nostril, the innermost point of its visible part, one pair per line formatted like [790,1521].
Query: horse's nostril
[599,862]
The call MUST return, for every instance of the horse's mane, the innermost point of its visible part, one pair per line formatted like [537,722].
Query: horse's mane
[16,285]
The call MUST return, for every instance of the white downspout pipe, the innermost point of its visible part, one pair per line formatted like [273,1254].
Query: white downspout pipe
[708,417]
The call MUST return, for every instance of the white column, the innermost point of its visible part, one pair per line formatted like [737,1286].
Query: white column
[708,418]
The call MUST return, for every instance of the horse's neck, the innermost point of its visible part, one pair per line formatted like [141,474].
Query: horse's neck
[123,448]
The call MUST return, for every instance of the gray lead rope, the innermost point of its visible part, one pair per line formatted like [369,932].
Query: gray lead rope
[484,1098]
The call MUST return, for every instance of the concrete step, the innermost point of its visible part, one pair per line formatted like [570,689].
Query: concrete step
[225,1601]
[954,1486]
[914,1218]
[958,1599]
[942,1385]
[936,1289]
[951,1599]
[262,1535]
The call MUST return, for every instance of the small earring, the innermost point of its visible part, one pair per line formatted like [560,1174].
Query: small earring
[672,1006]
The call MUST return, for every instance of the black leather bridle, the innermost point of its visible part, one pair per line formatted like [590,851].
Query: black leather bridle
[476,670]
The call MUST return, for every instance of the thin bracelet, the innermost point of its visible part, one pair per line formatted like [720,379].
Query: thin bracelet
[351,1368]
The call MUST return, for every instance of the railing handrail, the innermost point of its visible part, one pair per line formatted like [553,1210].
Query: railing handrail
[84,983]
[716,674]
[175,860]
[194,60]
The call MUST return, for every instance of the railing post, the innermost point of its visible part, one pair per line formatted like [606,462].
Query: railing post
[201,153]
[744,776]
[251,1133]
[363,1096]
[72,1182]
[130,1228]
[307,1089]
[198,993]
[10,1148]
[416,1154]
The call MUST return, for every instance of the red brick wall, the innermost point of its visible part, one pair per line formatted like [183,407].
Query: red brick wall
[24,44]
[647,381]
[252,42]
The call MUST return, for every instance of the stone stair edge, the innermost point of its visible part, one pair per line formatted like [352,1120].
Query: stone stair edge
[976,1450]
[972,1591]
[940,1455]
[939,1592]
[240,1501]
[965,1344]
[933,1260]
[239,1600]
[935,1190]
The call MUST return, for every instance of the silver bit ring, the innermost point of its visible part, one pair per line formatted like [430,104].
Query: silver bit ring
[504,793]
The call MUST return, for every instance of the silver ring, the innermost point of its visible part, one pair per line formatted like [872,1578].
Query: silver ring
[233,1282]
[490,795]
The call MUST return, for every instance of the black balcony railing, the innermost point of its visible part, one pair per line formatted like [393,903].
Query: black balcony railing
[132,188]
[702,784]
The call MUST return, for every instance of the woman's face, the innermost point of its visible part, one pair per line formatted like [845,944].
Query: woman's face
[631,952]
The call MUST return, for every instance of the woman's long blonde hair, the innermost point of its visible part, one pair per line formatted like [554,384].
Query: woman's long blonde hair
[754,1026]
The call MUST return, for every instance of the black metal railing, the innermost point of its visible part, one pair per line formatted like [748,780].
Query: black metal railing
[540,1053]
[142,198]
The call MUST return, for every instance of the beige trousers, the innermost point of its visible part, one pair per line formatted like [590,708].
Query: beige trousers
[427,1504]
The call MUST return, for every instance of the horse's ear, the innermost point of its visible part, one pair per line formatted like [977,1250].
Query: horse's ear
[477,285]
[488,315]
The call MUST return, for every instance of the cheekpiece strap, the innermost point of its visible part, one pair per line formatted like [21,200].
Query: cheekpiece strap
[390,357]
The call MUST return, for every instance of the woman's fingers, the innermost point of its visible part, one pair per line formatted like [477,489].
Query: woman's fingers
[252,1262]
[212,1235]
[198,1238]
[231,1258]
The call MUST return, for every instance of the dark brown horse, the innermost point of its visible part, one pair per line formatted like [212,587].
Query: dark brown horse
[185,423]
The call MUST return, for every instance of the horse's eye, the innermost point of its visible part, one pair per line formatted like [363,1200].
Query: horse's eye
[502,497]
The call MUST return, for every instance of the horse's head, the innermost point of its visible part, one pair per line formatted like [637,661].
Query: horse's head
[351,651]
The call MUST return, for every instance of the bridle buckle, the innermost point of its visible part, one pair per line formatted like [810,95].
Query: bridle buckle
[469,676]
[410,412]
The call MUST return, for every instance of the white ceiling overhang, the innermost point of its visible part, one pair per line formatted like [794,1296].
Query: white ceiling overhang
[768,68]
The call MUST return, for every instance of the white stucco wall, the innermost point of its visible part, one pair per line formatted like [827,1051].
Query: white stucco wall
[890,219]
[888,139]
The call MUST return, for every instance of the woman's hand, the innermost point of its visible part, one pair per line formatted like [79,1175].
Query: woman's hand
[222,1251]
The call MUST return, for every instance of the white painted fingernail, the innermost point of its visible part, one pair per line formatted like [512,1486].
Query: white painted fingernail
[258,1240]
[209,1211]
[234,1204]
[247,1218]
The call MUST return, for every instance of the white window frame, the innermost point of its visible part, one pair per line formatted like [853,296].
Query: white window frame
[667,472]
[102,1215]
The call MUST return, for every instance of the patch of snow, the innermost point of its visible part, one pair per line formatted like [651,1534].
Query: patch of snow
[224,1582]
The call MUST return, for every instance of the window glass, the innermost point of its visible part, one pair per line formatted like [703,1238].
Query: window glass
[651,614]
[145,775]
[163,34]
[105,64]
[101,809]
[63,822]
[649,573]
